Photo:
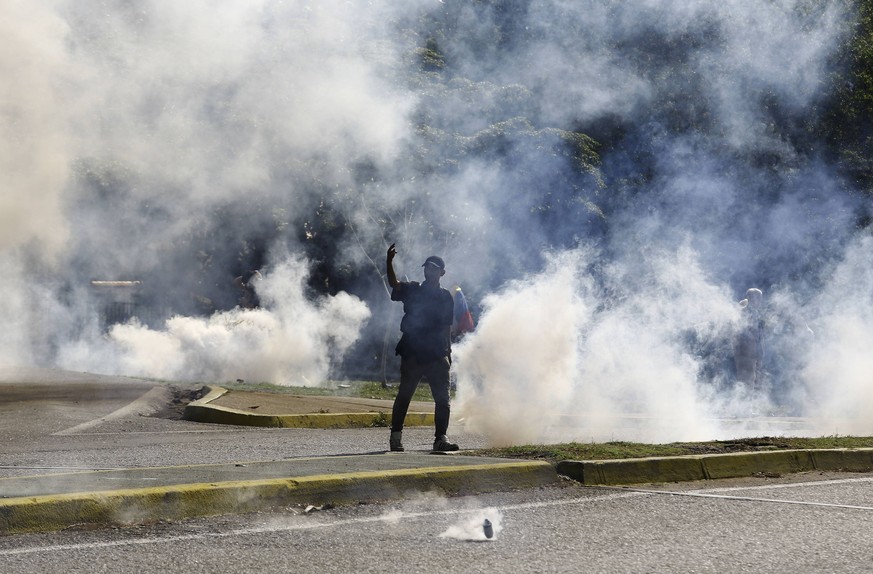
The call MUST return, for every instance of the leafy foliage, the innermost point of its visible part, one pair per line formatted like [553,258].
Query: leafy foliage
[847,120]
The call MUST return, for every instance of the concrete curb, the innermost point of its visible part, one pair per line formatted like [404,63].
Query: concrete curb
[202,411]
[54,512]
[711,466]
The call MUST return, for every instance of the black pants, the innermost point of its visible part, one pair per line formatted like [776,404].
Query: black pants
[411,373]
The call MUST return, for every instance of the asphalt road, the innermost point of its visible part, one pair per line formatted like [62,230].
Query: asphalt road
[810,522]
[813,523]
[51,420]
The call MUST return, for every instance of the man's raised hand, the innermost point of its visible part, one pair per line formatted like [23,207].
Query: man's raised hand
[392,277]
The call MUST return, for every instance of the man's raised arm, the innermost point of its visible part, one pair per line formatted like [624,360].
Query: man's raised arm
[392,277]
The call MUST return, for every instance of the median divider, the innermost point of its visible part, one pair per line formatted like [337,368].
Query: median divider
[750,463]
[632,471]
[850,460]
[205,411]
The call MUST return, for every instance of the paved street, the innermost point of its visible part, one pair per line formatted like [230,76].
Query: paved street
[814,523]
[805,522]
[107,424]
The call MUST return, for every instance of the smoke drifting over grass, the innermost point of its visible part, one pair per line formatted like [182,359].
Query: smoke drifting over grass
[181,144]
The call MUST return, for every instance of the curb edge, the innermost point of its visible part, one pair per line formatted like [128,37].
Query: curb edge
[712,466]
[202,411]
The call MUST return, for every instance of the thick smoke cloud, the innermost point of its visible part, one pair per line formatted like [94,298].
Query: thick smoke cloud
[728,203]
[291,343]
[179,145]
[837,372]
[33,141]
[138,131]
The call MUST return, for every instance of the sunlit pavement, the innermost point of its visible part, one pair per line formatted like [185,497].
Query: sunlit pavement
[107,429]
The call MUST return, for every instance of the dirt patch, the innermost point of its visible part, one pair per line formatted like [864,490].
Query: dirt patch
[174,409]
[738,445]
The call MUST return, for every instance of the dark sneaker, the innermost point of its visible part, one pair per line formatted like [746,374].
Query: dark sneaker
[442,444]
[395,441]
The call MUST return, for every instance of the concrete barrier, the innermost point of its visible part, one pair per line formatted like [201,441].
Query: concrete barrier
[712,466]
[750,463]
[633,471]
[850,460]
[177,501]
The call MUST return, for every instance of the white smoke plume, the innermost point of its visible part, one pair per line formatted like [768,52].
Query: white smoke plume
[839,369]
[623,361]
[577,368]
[468,522]
[288,342]
[473,527]
[129,128]
[34,146]
[175,143]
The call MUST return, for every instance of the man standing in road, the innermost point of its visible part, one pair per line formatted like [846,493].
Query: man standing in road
[424,348]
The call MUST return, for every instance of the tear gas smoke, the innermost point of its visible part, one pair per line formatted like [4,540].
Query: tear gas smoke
[471,527]
[182,144]
[838,365]
[34,150]
[289,344]
[582,363]
[470,521]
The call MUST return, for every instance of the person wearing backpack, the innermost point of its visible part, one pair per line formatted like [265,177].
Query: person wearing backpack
[425,347]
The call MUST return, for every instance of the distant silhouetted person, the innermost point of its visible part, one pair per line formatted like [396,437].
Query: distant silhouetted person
[247,283]
[463,319]
[462,324]
[748,341]
[425,347]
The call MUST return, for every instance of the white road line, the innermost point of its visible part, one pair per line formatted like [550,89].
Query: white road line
[788,485]
[145,404]
[715,492]
[692,494]
[57,468]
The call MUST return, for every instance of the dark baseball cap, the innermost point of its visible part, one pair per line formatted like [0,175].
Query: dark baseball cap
[435,261]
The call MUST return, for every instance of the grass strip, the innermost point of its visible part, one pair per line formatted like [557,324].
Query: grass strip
[614,450]
[572,450]
[362,389]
